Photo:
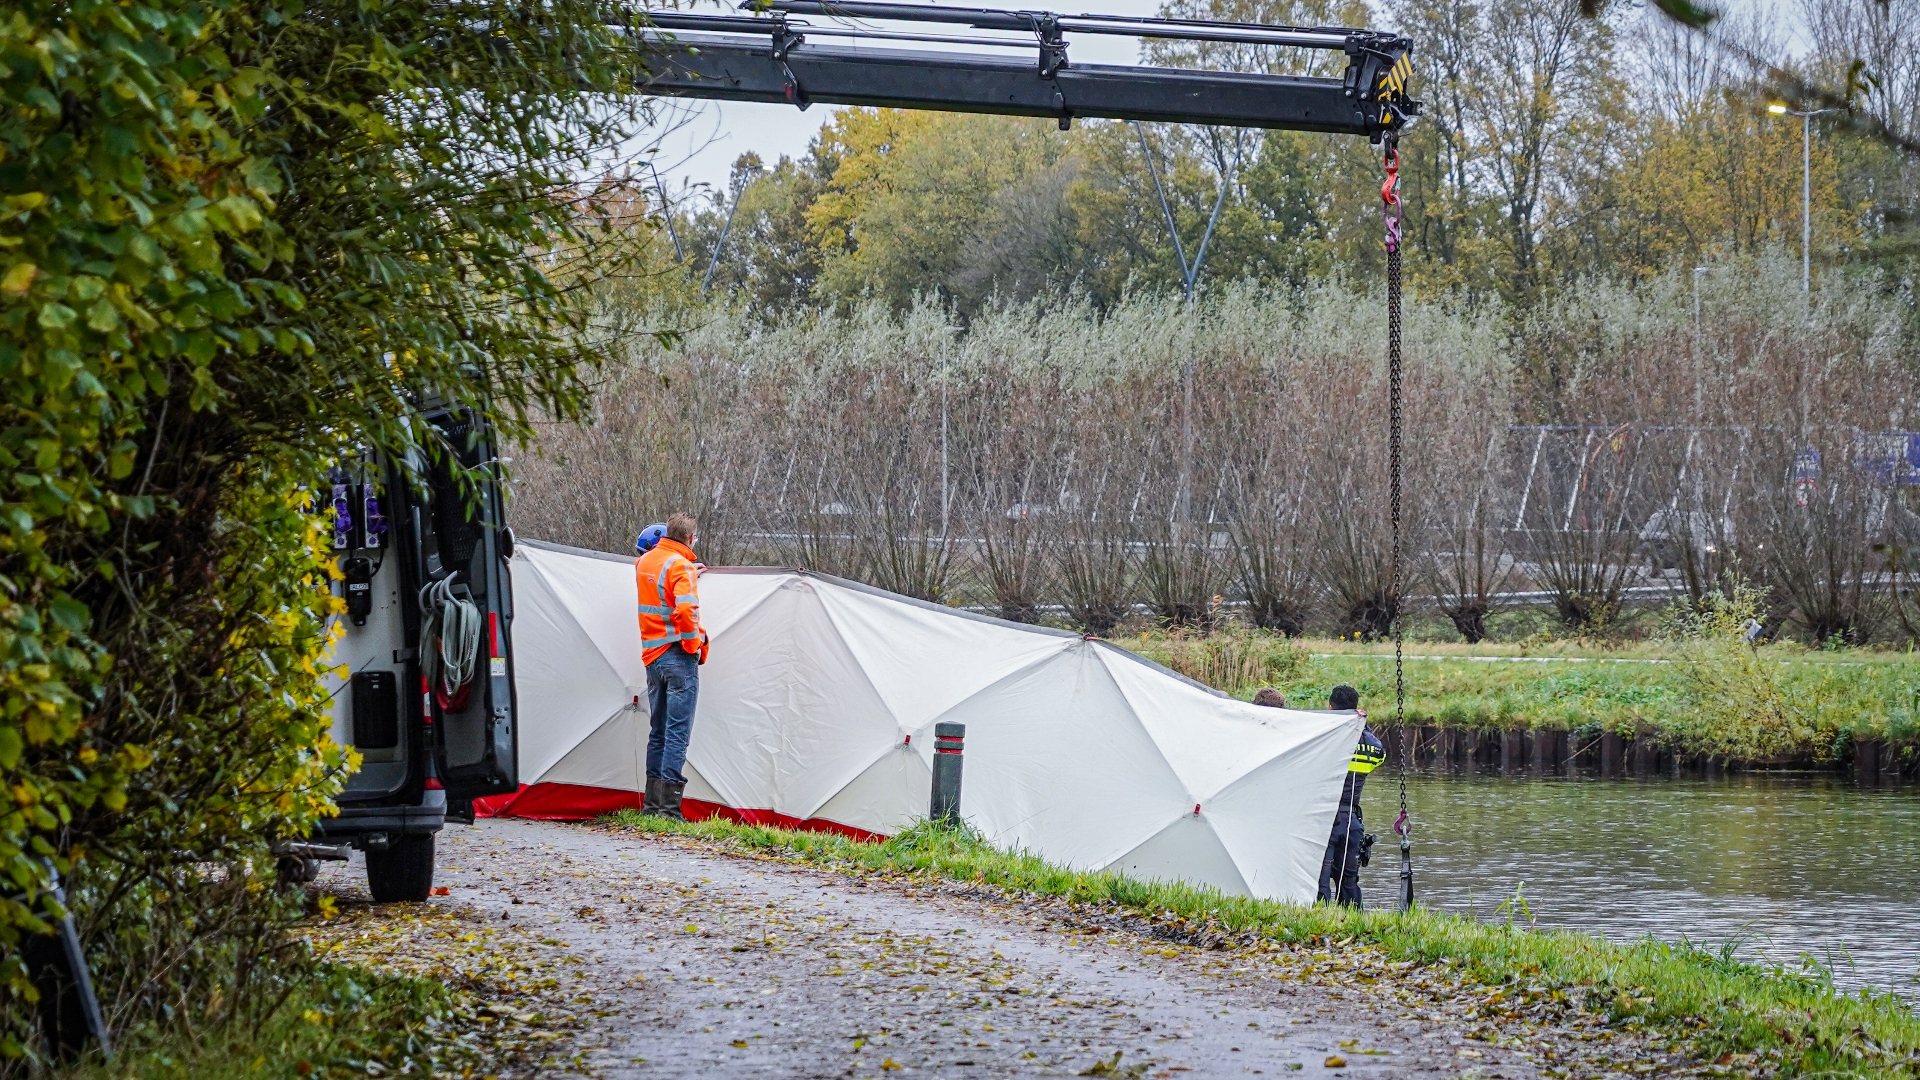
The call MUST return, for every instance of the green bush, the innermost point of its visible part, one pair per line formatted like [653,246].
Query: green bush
[1232,658]
[331,1020]
[238,238]
[1735,703]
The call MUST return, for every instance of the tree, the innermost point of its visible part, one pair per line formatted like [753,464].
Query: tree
[244,237]
[909,189]
[1446,209]
[771,262]
[1540,82]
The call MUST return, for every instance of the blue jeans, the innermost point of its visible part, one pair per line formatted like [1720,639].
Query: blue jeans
[673,685]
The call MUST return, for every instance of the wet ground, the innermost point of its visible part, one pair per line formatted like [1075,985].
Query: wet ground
[701,963]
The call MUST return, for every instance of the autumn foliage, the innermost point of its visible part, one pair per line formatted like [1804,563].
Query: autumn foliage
[236,239]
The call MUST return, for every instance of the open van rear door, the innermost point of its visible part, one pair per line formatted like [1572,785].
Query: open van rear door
[459,518]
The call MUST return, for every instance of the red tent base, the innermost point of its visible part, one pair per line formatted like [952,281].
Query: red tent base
[557,802]
[576,802]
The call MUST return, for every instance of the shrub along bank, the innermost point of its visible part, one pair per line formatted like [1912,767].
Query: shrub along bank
[1778,702]
[382,990]
[221,271]
[1793,1019]
[334,1021]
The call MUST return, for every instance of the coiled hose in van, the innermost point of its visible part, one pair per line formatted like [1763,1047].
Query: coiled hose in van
[449,641]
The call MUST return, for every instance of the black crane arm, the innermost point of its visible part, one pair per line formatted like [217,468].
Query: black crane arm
[767,57]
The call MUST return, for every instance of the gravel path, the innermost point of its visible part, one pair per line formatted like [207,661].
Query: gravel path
[710,964]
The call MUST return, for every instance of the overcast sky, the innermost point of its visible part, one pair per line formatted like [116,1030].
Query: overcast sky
[701,139]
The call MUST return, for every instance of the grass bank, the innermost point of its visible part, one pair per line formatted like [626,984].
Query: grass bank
[1825,699]
[385,990]
[1755,1020]
[336,1020]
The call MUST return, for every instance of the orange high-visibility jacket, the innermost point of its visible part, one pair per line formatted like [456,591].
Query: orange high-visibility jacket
[669,603]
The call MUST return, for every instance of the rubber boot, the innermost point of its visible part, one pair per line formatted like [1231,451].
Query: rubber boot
[655,802]
[670,800]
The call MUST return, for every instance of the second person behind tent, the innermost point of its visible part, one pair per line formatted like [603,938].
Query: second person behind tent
[1348,847]
[673,645]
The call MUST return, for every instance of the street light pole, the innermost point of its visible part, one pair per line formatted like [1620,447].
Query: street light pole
[666,211]
[744,181]
[1806,187]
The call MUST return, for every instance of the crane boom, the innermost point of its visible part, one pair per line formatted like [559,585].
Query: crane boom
[767,57]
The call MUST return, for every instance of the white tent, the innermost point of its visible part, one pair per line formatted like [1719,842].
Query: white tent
[818,703]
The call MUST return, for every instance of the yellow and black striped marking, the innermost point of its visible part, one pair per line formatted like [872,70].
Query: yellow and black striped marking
[1366,758]
[1393,83]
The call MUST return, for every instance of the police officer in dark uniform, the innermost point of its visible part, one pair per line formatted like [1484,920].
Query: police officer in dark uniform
[1347,848]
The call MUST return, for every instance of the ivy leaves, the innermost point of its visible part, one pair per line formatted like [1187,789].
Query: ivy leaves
[125,198]
[236,238]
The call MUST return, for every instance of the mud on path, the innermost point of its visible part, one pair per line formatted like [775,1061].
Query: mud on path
[704,963]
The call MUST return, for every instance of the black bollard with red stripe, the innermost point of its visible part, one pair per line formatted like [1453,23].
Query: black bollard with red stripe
[948,741]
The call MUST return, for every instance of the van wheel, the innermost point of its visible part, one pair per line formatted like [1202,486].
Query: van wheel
[402,872]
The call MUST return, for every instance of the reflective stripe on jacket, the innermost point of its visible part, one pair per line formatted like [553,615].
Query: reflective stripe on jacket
[1366,757]
[669,601]
[1369,754]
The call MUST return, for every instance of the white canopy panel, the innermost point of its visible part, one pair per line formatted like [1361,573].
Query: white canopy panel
[818,702]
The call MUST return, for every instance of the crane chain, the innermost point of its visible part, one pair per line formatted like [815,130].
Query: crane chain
[1403,825]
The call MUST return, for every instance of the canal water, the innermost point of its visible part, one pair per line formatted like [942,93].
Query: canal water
[1791,867]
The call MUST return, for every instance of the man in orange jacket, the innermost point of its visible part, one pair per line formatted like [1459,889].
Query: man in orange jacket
[673,646]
